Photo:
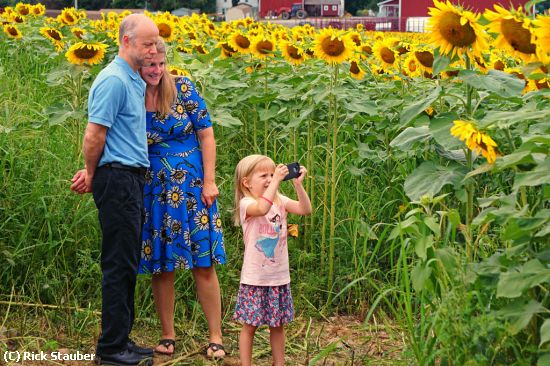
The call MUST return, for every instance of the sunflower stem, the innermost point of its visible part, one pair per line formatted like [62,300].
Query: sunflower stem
[311,182]
[333,182]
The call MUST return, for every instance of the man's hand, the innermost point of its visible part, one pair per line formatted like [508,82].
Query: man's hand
[80,182]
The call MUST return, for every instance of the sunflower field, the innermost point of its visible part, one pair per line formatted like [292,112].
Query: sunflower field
[428,169]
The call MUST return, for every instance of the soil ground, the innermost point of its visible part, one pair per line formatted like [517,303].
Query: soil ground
[340,340]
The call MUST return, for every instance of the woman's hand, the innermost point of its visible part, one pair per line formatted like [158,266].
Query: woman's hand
[209,193]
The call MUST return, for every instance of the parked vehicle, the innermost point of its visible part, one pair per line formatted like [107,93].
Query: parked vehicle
[296,11]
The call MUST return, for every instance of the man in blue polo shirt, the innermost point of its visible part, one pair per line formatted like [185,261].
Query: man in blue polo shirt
[115,154]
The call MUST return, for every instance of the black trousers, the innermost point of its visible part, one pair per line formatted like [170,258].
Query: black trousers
[118,195]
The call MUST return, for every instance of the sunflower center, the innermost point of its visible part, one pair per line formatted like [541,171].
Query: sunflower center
[333,47]
[293,52]
[69,18]
[354,68]
[402,50]
[456,34]
[412,66]
[165,31]
[264,47]
[12,31]
[18,19]
[517,36]
[387,55]
[54,34]
[200,49]
[85,53]
[228,48]
[24,10]
[425,58]
[499,65]
[355,38]
[242,41]
[367,49]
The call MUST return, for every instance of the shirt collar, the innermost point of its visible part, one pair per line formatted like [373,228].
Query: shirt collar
[122,62]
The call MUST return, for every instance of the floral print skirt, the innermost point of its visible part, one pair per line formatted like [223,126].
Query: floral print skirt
[264,305]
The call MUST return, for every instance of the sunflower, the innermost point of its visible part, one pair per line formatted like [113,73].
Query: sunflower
[262,46]
[385,54]
[542,37]
[167,29]
[227,50]
[78,32]
[411,66]
[90,53]
[292,52]
[199,47]
[239,42]
[12,31]
[497,61]
[455,30]
[52,34]
[355,70]
[38,9]
[23,9]
[514,31]
[176,71]
[69,16]
[425,58]
[333,46]
[475,140]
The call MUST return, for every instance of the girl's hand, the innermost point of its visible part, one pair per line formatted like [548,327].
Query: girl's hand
[303,172]
[280,172]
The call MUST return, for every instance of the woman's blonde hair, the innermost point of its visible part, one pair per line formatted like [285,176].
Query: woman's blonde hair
[245,168]
[167,86]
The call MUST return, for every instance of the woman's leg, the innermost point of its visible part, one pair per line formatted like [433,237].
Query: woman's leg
[246,339]
[208,292]
[164,294]
[277,340]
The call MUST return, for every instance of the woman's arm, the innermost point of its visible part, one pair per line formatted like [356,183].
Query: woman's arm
[208,147]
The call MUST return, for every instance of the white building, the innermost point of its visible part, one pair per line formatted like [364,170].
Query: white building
[223,5]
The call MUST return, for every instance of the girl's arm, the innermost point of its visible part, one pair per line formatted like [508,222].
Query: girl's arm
[303,205]
[263,203]
[208,146]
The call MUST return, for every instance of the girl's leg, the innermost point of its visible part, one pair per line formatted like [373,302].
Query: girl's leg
[277,340]
[164,295]
[246,340]
[208,292]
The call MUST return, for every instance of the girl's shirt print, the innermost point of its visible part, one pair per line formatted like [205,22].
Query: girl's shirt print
[265,245]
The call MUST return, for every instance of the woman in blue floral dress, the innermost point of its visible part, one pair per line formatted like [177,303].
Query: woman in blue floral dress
[182,228]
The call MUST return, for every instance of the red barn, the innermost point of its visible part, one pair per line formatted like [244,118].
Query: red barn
[408,10]
[314,8]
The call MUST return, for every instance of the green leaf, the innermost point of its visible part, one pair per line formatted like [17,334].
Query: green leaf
[361,106]
[420,275]
[429,178]
[441,62]
[440,127]
[414,109]
[421,246]
[535,177]
[512,284]
[224,118]
[498,82]
[409,136]
[448,258]
[544,359]
[323,353]
[514,159]
[545,332]
[432,223]
[520,313]
[406,226]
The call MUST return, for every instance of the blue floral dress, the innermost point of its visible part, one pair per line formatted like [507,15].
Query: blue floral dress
[179,231]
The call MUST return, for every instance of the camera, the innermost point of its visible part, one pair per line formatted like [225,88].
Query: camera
[293,171]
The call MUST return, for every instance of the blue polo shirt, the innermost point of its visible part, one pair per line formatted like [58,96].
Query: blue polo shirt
[117,101]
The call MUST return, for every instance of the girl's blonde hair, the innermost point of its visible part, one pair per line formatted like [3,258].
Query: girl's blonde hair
[167,86]
[245,168]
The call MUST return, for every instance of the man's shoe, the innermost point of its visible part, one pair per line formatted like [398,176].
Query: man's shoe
[132,346]
[124,358]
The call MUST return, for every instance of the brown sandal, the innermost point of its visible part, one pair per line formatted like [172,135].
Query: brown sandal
[166,343]
[215,347]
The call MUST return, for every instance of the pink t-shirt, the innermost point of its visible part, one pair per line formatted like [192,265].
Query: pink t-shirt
[265,246]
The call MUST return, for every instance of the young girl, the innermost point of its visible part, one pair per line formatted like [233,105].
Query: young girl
[264,293]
